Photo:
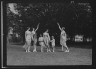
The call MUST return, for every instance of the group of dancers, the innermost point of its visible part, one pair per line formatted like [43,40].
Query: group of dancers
[44,40]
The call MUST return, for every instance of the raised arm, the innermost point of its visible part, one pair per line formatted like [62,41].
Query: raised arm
[59,26]
[37,27]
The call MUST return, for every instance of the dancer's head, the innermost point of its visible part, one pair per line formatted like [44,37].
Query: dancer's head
[10,28]
[33,29]
[28,28]
[63,28]
[52,37]
[47,30]
[40,35]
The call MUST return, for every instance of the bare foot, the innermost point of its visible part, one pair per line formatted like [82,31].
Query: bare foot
[67,51]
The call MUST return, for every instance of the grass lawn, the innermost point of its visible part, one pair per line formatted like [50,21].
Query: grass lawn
[16,55]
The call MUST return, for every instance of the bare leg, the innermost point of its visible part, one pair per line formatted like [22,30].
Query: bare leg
[29,49]
[26,49]
[66,48]
[34,48]
[61,43]
[62,48]
[53,49]
[46,45]
[41,48]
[49,49]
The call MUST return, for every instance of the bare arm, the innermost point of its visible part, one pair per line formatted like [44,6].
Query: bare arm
[49,37]
[59,26]
[37,28]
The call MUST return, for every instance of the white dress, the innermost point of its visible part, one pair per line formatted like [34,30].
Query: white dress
[35,38]
[46,38]
[41,41]
[53,42]
[32,34]
[28,37]
[63,38]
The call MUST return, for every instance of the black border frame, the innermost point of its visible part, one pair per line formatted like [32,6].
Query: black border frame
[34,66]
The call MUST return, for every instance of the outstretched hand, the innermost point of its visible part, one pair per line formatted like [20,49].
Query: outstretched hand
[37,27]
[59,26]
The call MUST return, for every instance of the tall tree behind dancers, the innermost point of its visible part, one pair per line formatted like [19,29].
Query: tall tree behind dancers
[63,38]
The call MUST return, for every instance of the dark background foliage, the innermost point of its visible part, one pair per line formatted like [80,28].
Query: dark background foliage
[75,17]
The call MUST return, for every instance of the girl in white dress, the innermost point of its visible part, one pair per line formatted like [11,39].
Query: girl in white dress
[63,38]
[53,43]
[41,42]
[28,40]
[46,40]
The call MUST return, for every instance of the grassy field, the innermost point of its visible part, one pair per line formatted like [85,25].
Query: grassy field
[16,55]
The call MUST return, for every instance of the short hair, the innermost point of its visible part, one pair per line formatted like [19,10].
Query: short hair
[63,27]
[47,30]
[40,34]
[28,27]
[52,36]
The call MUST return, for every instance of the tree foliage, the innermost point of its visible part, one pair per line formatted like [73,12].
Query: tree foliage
[71,15]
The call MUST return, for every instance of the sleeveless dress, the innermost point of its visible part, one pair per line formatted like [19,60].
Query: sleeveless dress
[28,38]
[46,38]
[63,38]
[53,42]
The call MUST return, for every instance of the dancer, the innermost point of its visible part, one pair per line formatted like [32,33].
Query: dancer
[33,33]
[28,40]
[34,42]
[53,43]
[9,36]
[41,42]
[63,38]
[46,40]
